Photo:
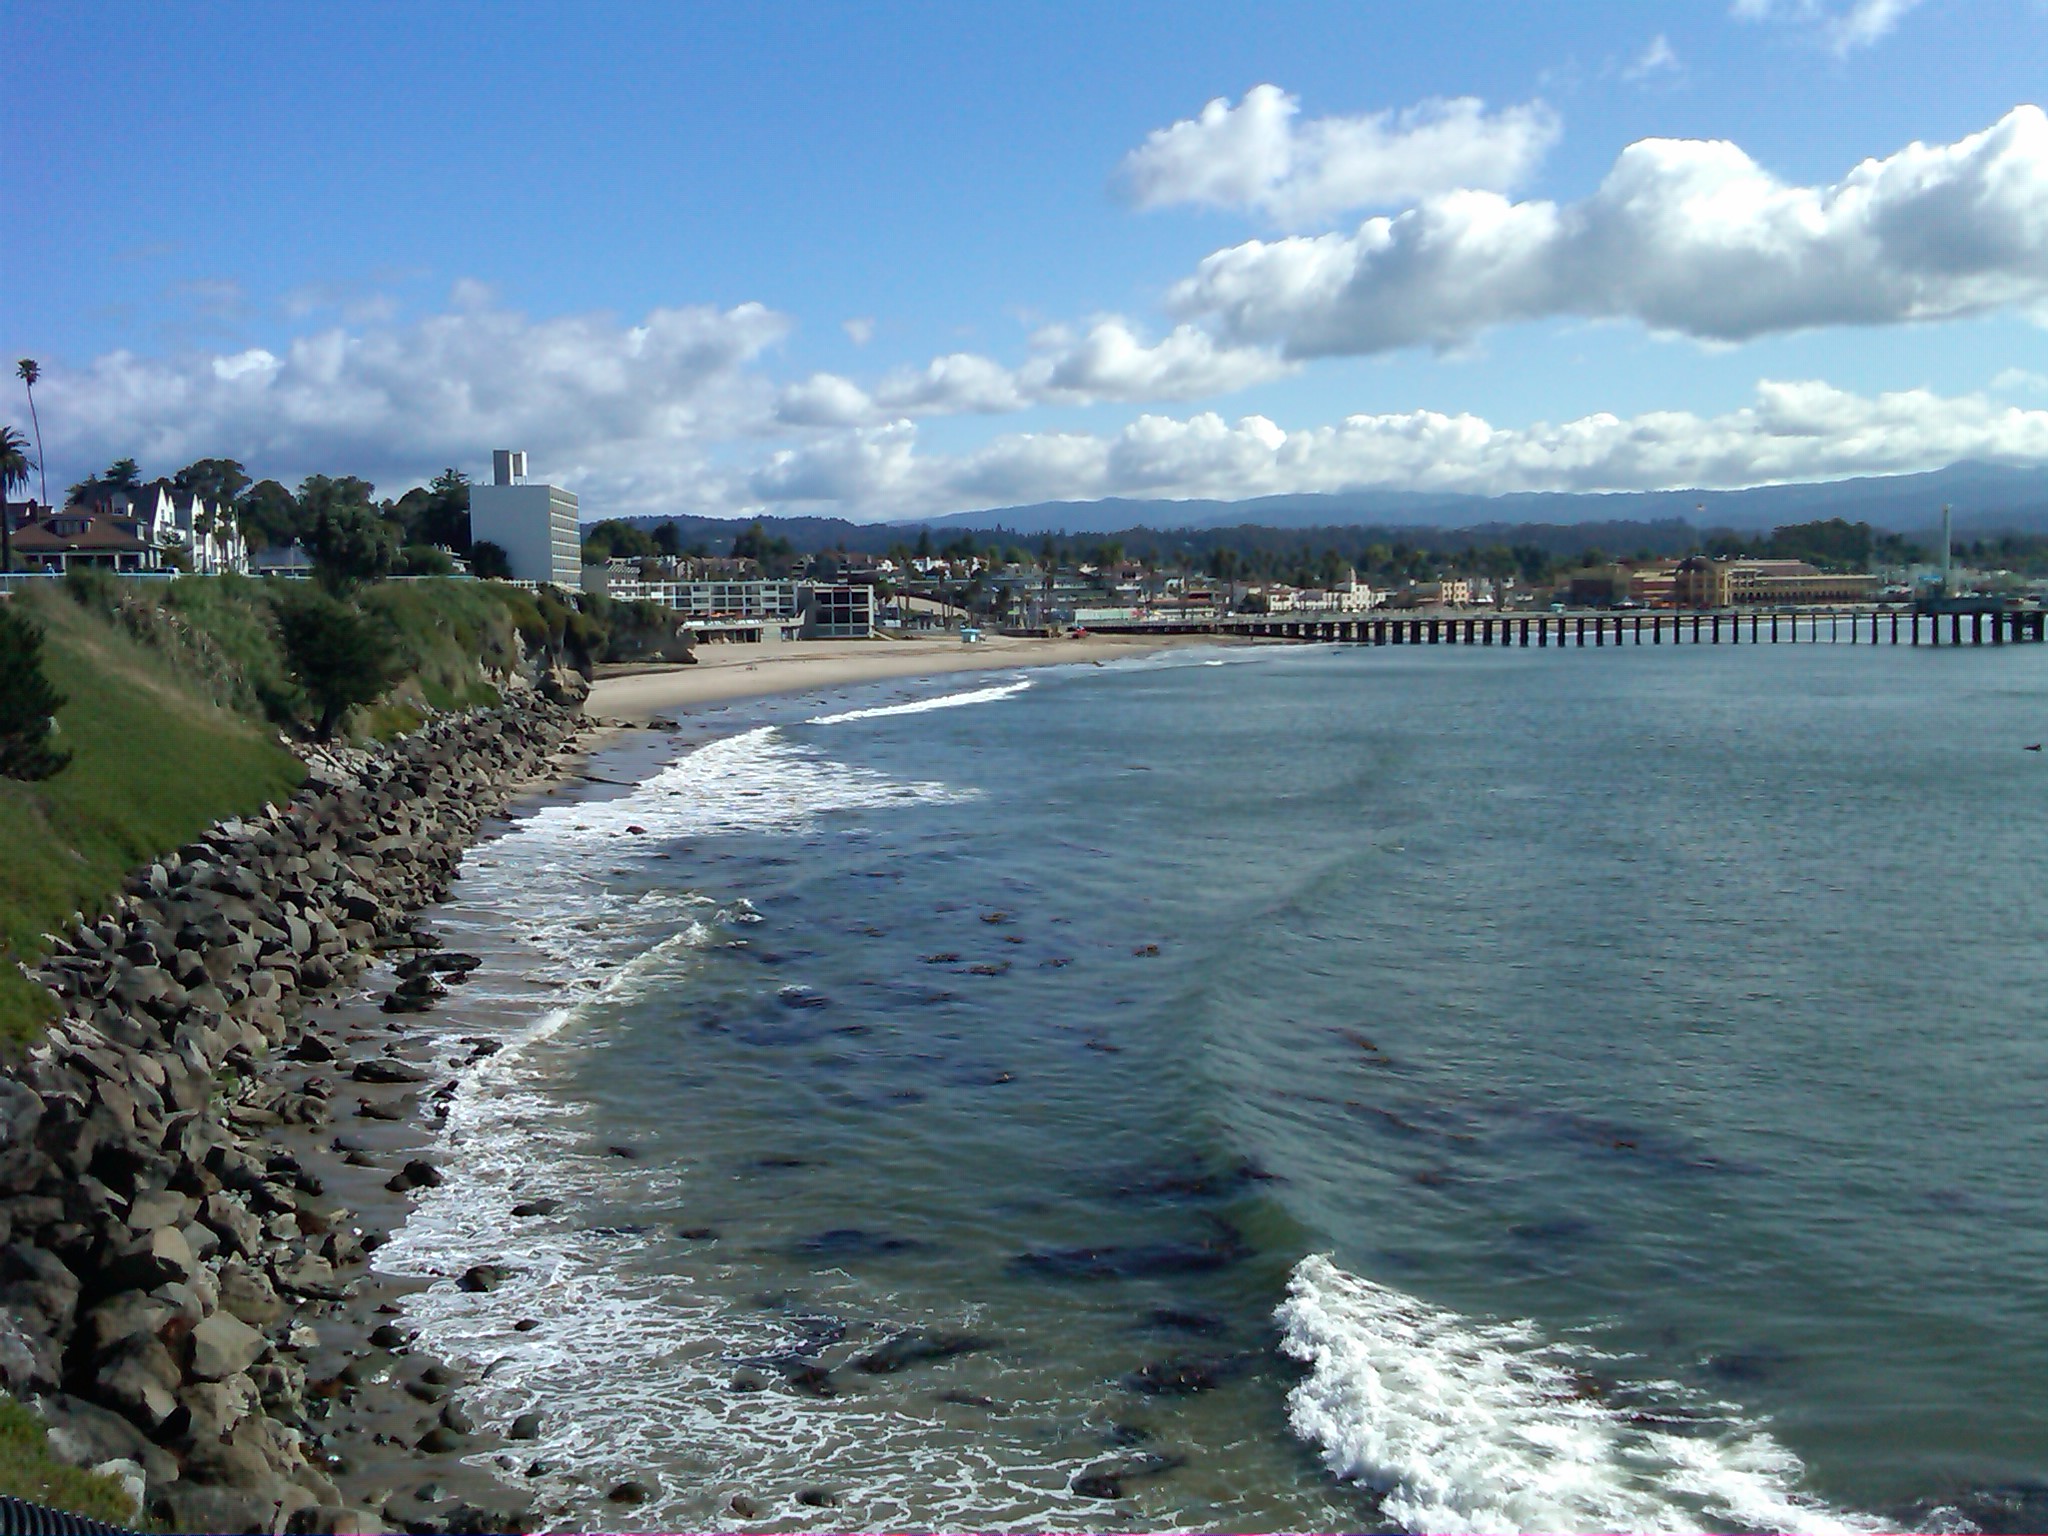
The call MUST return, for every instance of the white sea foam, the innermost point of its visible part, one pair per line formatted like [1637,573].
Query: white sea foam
[924,706]
[1463,1425]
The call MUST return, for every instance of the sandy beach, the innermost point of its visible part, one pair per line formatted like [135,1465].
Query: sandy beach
[751,670]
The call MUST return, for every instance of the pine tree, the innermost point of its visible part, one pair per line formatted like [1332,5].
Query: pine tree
[27,703]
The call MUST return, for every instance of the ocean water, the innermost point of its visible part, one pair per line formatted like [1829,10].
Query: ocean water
[1304,1088]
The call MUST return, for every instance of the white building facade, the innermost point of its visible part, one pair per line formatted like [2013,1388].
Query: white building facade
[538,526]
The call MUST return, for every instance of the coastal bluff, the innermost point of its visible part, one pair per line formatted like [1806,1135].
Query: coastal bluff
[161,1255]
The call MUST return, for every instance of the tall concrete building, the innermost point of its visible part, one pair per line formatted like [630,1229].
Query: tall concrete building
[536,525]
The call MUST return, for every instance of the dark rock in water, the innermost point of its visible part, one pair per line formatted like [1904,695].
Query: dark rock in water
[311,1048]
[386,1069]
[965,1399]
[746,1381]
[782,1162]
[917,1347]
[397,1109]
[1109,1480]
[853,1242]
[390,1336]
[1140,1259]
[1127,1434]
[630,1154]
[1098,1485]
[1748,1366]
[537,1207]
[1181,1378]
[697,1234]
[417,1174]
[817,1330]
[456,1418]
[483,1277]
[526,1325]
[802,997]
[817,1498]
[739,1504]
[438,1441]
[1174,1320]
[526,1427]
[811,1379]
[631,1491]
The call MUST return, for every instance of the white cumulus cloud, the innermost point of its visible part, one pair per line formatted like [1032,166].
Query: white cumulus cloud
[1254,156]
[1108,360]
[1685,235]
[1796,430]
[1657,58]
[1842,28]
[401,400]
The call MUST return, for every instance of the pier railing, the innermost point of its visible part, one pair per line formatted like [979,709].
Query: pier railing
[1604,628]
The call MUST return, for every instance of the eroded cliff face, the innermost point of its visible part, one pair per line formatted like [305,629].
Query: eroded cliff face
[157,1241]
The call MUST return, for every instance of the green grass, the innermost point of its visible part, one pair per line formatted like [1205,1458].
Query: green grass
[29,1471]
[448,633]
[154,763]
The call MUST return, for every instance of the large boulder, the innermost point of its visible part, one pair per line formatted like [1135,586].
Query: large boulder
[224,1346]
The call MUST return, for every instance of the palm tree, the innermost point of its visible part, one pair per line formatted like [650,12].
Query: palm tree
[14,468]
[29,373]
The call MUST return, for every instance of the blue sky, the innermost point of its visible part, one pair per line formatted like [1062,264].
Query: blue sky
[898,259]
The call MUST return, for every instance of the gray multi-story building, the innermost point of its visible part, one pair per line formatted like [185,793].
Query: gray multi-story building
[536,525]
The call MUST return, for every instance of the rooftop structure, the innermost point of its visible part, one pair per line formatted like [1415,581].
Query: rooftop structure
[536,525]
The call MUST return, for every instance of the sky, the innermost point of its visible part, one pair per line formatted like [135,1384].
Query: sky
[895,260]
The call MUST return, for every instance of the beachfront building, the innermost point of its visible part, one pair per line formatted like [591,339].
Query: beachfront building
[536,525]
[838,611]
[1744,583]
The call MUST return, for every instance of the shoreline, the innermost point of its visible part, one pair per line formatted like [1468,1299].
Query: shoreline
[365,1430]
[626,741]
[209,1336]
[730,672]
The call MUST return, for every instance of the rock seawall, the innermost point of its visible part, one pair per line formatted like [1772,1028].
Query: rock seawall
[156,1245]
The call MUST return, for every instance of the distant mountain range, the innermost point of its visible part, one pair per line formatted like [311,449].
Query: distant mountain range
[1986,498]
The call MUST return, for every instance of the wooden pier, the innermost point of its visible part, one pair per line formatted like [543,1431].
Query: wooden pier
[1542,630]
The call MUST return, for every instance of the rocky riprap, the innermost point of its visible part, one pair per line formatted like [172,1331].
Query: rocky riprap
[156,1245]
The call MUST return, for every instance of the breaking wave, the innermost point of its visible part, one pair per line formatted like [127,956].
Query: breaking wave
[1462,1425]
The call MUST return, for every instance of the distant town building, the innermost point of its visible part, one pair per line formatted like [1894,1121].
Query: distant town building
[838,612]
[1699,582]
[745,608]
[536,525]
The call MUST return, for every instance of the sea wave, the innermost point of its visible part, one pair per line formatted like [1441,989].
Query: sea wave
[988,695]
[1469,1426]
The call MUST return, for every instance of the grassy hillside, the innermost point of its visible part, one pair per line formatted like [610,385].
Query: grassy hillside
[154,761]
